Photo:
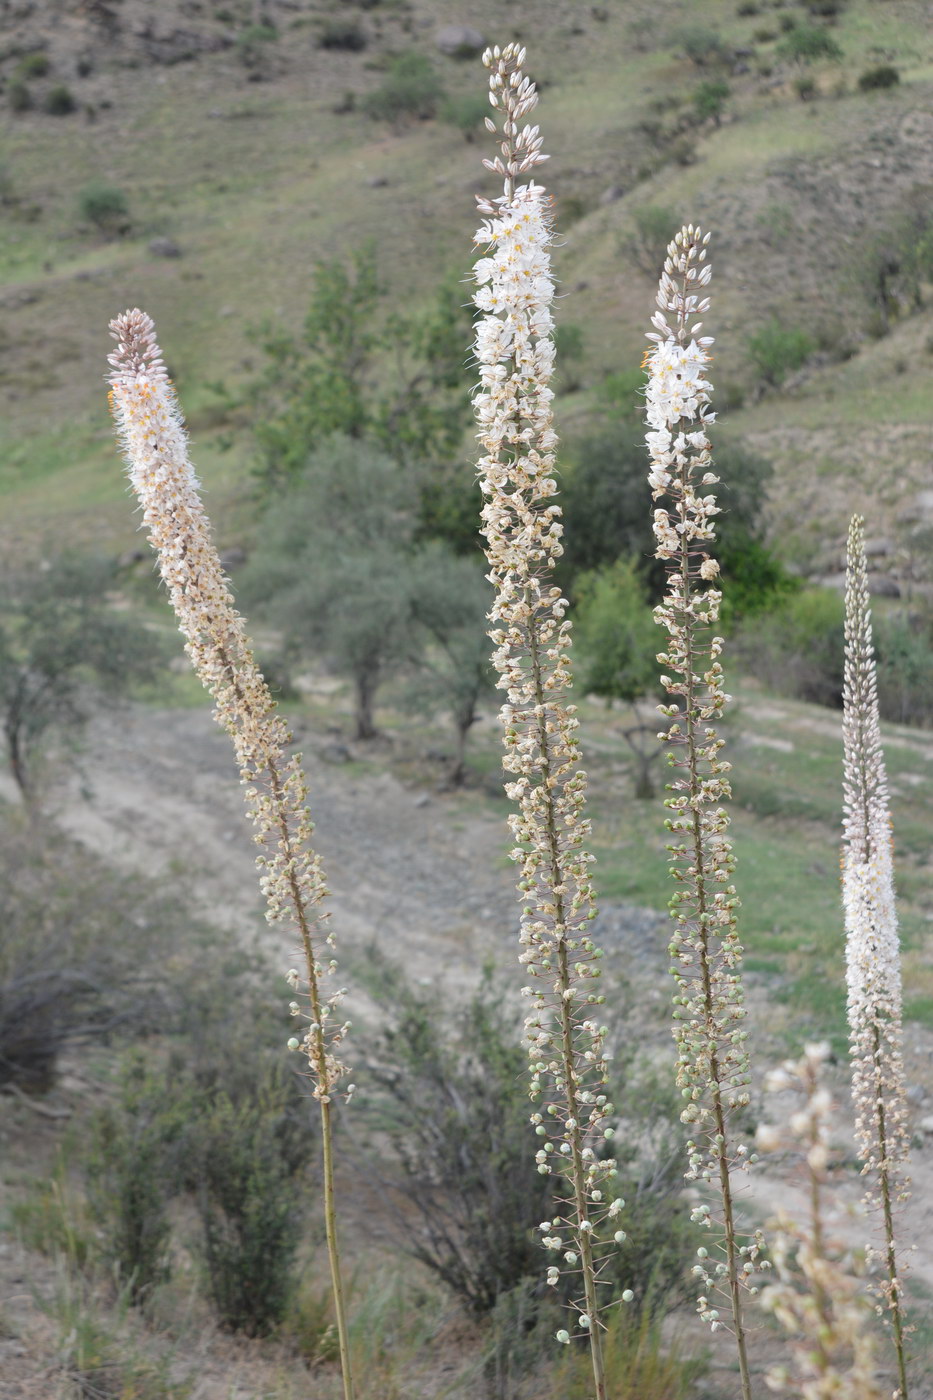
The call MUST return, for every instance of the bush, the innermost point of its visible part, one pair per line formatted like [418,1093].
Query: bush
[106,207]
[250,1206]
[710,98]
[654,227]
[466,113]
[128,1175]
[59,101]
[411,90]
[344,34]
[808,43]
[81,952]
[776,350]
[904,647]
[33,65]
[640,1363]
[701,45]
[805,88]
[616,633]
[252,44]
[874,79]
[18,96]
[799,648]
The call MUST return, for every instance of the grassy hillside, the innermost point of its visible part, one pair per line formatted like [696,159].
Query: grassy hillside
[254,157]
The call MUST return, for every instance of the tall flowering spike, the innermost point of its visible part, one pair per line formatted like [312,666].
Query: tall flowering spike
[816,1296]
[873,973]
[152,430]
[521,525]
[712,1068]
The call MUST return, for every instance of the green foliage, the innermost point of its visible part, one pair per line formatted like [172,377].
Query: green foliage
[654,227]
[59,101]
[894,259]
[252,45]
[128,1169]
[641,1363]
[467,113]
[51,1220]
[345,34]
[904,647]
[776,350]
[18,96]
[710,98]
[33,65]
[798,649]
[808,43]
[616,634]
[250,1204]
[607,506]
[360,370]
[450,600]
[62,651]
[621,394]
[410,91]
[702,46]
[332,566]
[876,79]
[105,206]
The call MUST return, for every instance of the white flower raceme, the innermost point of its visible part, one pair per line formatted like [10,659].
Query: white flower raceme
[873,973]
[292,880]
[521,524]
[712,1069]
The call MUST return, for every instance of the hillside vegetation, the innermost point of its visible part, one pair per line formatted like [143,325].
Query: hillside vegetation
[239,137]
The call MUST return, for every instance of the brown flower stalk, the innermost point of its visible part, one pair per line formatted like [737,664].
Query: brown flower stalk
[152,431]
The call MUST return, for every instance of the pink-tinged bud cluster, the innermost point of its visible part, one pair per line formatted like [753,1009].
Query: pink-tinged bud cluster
[709,1017]
[816,1296]
[521,524]
[873,972]
[153,435]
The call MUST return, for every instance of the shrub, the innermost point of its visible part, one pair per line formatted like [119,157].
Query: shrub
[80,952]
[59,101]
[641,1364]
[616,633]
[776,350]
[465,113]
[874,79]
[33,65]
[805,87]
[808,43]
[106,207]
[654,227]
[344,34]
[797,649]
[701,45]
[249,1206]
[128,1176]
[710,98]
[252,44]
[904,647]
[18,96]
[411,90]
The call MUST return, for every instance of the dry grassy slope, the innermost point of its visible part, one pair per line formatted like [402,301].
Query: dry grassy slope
[256,180]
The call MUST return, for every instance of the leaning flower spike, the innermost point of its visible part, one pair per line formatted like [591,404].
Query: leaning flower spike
[873,972]
[816,1296]
[515,351]
[712,1069]
[153,434]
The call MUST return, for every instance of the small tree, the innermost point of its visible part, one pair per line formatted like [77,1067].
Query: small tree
[63,651]
[450,600]
[358,370]
[710,99]
[333,567]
